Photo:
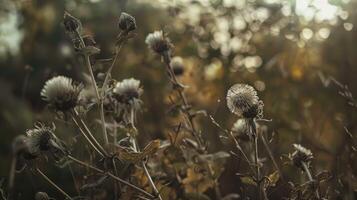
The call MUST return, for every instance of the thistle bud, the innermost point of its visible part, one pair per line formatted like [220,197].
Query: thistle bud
[177,65]
[127,22]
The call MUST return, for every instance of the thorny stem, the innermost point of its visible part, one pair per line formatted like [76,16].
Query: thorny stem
[110,175]
[178,88]
[94,83]
[306,169]
[53,184]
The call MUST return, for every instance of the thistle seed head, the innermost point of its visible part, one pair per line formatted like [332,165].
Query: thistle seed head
[61,93]
[177,65]
[243,101]
[158,42]
[301,154]
[128,91]
[127,22]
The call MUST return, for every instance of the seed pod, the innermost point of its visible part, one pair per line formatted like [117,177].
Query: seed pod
[127,22]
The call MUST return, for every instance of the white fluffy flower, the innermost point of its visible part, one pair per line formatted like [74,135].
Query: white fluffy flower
[61,93]
[128,90]
[243,101]
[127,94]
[158,42]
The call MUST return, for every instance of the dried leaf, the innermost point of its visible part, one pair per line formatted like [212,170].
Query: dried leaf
[273,178]
[248,180]
[134,157]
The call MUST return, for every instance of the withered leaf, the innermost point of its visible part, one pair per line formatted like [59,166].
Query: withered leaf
[248,180]
[273,178]
[130,156]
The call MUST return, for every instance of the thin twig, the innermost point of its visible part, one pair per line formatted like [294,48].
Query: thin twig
[271,156]
[230,134]
[179,89]
[94,83]
[110,175]
[86,137]
[311,179]
[53,184]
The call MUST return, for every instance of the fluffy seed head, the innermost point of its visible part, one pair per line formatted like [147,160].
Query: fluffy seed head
[127,22]
[61,93]
[177,65]
[158,42]
[243,101]
[128,90]
[301,154]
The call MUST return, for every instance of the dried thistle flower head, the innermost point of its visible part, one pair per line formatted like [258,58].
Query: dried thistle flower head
[241,129]
[158,42]
[128,90]
[71,23]
[61,93]
[243,101]
[301,154]
[177,65]
[127,95]
[42,139]
[127,22]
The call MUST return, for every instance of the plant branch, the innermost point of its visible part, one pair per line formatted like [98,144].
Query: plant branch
[53,184]
[110,175]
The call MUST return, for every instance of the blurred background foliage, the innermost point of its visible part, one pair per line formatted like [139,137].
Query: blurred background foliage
[290,51]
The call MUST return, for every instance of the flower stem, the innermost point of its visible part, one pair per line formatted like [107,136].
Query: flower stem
[53,184]
[84,164]
[256,159]
[94,83]
[76,119]
[311,179]
[178,88]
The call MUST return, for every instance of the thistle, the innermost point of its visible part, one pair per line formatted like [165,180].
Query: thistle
[243,101]
[127,94]
[127,22]
[177,65]
[42,139]
[61,93]
[158,43]
[300,155]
